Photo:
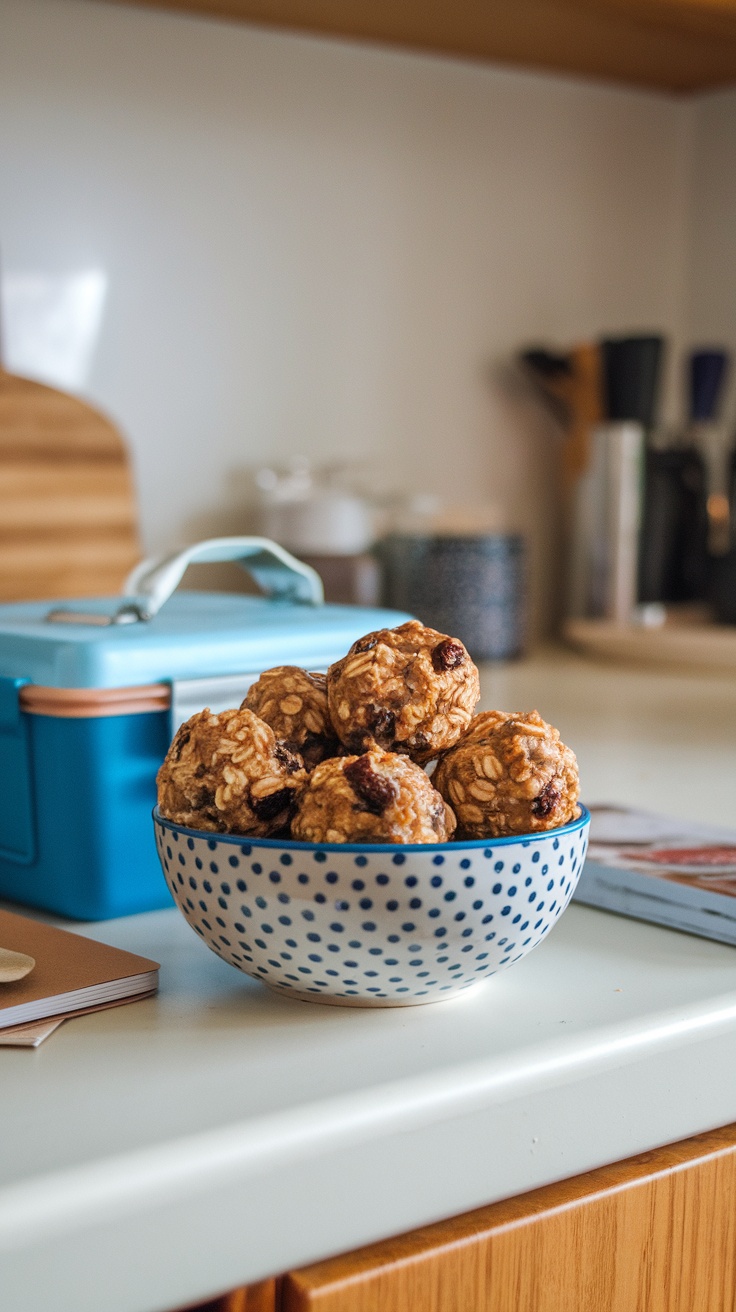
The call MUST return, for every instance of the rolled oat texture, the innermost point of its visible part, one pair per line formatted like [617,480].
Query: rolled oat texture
[410,690]
[509,774]
[378,797]
[294,703]
[228,773]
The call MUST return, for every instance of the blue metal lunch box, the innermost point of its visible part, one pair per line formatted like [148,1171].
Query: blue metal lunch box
[91,693]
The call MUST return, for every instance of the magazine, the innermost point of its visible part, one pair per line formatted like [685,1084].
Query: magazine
[652,867]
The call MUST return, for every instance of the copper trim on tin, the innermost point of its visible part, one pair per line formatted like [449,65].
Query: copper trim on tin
[88,703]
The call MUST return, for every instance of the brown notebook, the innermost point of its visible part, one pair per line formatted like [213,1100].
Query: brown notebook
[71,974]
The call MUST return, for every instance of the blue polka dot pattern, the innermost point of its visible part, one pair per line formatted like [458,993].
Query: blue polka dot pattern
[429,935]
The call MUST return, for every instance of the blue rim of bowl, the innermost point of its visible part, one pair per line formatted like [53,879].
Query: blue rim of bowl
[293,845]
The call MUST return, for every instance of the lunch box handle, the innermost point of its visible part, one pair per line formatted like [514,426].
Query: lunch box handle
[278,573]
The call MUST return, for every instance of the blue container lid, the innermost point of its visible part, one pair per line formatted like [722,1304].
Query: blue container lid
[194,635]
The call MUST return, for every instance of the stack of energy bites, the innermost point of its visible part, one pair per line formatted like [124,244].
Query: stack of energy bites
[341,757]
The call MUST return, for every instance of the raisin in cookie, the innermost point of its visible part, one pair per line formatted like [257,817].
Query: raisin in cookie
[509,774]
[375,798]
[230,774]
[294,703]
[410,690]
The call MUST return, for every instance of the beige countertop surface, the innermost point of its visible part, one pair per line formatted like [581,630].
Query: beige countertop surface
[159,1153]
[665,741]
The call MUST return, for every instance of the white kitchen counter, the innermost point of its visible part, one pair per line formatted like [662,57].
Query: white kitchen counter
[162,1152]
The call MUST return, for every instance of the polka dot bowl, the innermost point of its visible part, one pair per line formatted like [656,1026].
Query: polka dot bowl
[371,925]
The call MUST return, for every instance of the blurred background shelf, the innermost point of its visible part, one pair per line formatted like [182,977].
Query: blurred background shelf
[672,45]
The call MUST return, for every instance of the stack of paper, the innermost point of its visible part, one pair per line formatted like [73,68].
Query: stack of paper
[72,974]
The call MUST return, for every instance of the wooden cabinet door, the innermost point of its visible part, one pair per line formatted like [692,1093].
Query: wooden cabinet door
[656,1233]
[263,1297]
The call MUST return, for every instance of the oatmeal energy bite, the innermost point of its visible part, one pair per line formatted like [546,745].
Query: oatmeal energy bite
[294,703]
[375,798]
[230,774]
[410,690]
[509,774]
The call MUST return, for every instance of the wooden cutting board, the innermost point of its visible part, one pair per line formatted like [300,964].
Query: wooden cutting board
[684,646]
[68,524]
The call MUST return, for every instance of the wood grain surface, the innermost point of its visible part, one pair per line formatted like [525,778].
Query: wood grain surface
[262,1297]
[67,503]
[673,45]
[656,1233]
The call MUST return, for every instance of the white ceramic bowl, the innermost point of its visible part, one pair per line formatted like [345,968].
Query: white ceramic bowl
[371,925]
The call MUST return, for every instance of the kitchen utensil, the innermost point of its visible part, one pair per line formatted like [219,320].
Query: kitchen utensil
[708,371]
[606,520]
[92,691]
[371,925]
[673,564]
[723,569]
[572,385]
[632,369]
[14,965]
[608,499]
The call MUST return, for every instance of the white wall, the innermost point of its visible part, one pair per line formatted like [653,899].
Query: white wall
[711,303]
[317,247]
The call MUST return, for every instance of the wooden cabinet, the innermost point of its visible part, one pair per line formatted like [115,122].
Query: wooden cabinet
[675,45]
[655,1233]
[263,1297]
